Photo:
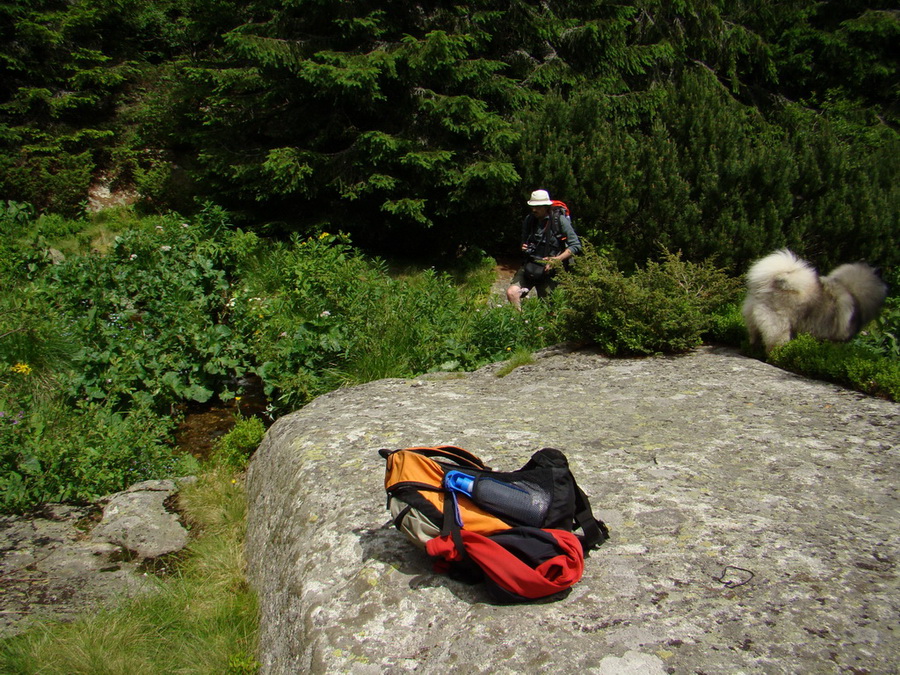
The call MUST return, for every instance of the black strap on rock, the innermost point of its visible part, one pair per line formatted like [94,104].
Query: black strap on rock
[595,530]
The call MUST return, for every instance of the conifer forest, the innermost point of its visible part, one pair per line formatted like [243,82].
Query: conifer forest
[718,128]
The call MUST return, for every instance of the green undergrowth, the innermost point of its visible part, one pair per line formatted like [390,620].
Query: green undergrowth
[852,365]
[665,307]
[101,347]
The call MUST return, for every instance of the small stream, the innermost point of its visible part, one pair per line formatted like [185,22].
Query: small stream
[205,423]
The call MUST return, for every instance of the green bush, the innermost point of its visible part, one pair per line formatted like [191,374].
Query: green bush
[726,326]
[665,307]
[151,317]
[297,304]
[318,314]
[53,452]
[15,220]
[883,334]
[234,449]
[848,364]
[54,179]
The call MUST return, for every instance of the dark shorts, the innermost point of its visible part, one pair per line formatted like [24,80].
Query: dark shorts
[543,286]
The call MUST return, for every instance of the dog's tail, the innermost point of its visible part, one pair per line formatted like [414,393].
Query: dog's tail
[782,272]
[866,287]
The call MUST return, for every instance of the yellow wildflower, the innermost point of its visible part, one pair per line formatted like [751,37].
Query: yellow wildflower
[21,369]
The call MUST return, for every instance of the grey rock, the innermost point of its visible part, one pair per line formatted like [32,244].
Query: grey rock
[138,520]
[50,568]
[60,562]
[753,513]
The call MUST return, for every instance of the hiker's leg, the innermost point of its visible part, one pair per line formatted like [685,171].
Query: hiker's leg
[517,290]
[545,288]
[514,294]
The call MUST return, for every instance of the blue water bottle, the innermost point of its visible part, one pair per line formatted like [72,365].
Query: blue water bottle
[457,481]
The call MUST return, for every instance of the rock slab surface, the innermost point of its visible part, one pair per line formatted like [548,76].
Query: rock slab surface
[753,513]
[139,521]
[64,560]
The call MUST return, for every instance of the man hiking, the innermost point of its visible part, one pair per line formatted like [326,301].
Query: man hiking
[547,236]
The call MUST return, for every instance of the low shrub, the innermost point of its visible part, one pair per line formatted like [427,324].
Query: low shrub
[51,451]
[883,334]
[726,326]
[666,307]
[318,315]
[234,449]
[150,318]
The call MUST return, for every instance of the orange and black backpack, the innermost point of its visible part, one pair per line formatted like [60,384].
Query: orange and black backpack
[513,530]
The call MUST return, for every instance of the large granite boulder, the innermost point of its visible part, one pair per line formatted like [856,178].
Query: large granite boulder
[753,513]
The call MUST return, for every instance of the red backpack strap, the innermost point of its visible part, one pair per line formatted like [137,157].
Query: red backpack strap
[556,554]
[561,205]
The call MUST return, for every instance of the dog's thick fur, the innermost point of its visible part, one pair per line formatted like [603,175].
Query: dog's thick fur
[786,296]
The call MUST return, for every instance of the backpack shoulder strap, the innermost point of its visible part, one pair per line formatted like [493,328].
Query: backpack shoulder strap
[449,452]
[595,530]
[558,210]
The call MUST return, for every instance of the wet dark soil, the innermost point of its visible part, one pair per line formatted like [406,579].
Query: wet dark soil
[205,423]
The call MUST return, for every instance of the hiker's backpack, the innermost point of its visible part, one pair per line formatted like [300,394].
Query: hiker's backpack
[513,530]
[560,208]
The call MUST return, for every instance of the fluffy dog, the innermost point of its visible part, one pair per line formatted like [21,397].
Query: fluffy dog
[786,296]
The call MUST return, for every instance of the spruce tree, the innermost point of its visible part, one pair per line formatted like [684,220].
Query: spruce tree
[389,118]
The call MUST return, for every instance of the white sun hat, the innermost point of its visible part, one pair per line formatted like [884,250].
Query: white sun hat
[540,198]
